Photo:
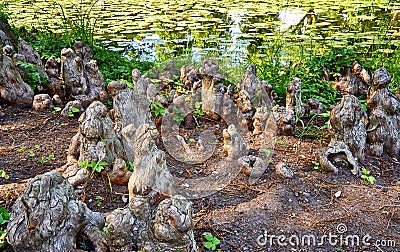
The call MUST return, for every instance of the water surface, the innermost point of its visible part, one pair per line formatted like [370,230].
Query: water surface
[151,29]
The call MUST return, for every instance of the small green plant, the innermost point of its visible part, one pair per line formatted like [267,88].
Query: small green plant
[129,165]
[44,159]
[316,165]
[99,200]
[3,174]
[157,108]
[22,148]
[72,111]
[178,115]
[95,166]
[369,178]
[211,242]
[267,154]
[37,146]
[198,110]
[84,164]
[4,218]
[31,153]
[108,103]
[55,110]
[33,76]
[105,228]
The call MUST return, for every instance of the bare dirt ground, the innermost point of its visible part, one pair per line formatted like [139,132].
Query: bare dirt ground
[305,213]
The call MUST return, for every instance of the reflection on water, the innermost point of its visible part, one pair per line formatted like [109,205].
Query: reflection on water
[291,17]
[154,28]
[144,50]
[238,46]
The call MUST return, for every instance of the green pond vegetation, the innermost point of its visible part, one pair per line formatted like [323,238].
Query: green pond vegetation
[283,39]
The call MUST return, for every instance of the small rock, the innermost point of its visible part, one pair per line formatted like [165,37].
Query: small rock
[56,100]
[252,166]
[119,174]
[284,170]
[338,194]
[42,102]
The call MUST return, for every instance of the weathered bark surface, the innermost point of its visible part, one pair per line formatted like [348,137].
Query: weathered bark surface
[212,101]
[355,81]
[72,73]
[203,149]
[210,75]
[31,56]
[384,117]
[54,82]
[285,120]
[168,228]
[13,90]
[339,152]
[121,234]
[56,100]
[95,82]
[81,75]
[234,145]
[95,141]
[150,173]
[293,97]
[170,72]
[212,90]
[145,87]
[244,103]
[173,225]
[99,141]
[258,91]
[119,175]
[253,92]
[190,77]
[83,51]
[261,120]
[7,36]
[42,102]
[347,126]
[314,106]
[128,141]
[114,87]
[9,51]
[130,108]
[250,82]
[47,217]
[285,117]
